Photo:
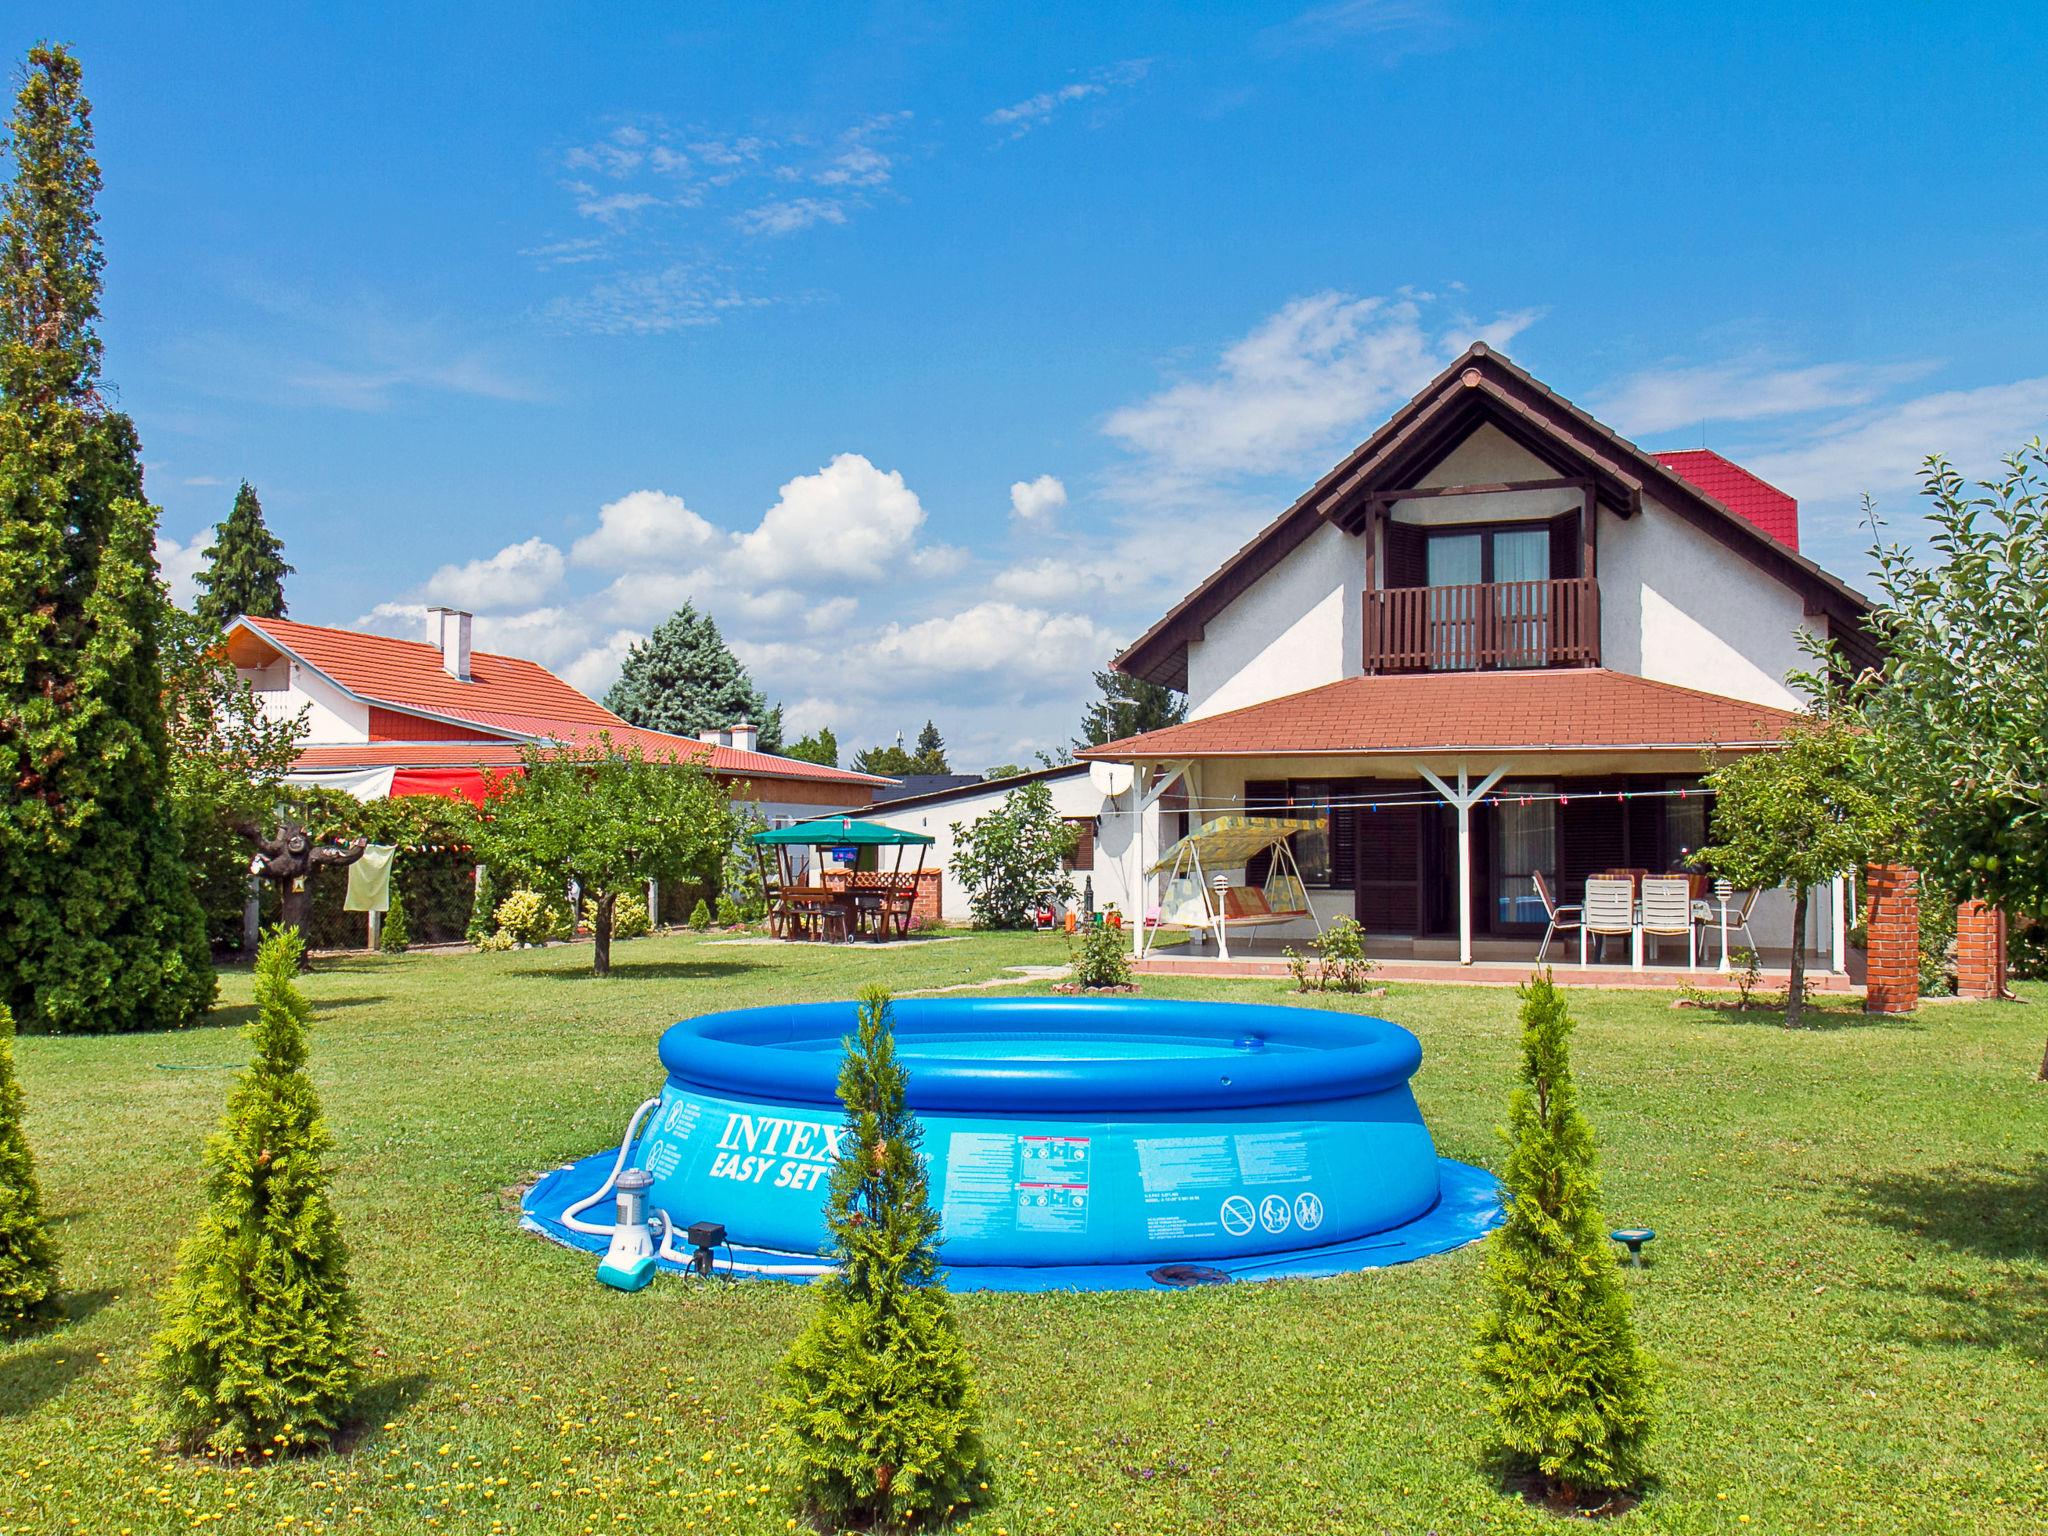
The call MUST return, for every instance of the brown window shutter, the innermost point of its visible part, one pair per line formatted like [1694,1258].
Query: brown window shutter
[1084,843]
[1344,833]
[1564,546]
[1407,558]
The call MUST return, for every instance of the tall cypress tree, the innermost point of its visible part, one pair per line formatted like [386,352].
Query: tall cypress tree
[686,679]
[245,569]
[99,928]
[28,1259]
[1557,1358]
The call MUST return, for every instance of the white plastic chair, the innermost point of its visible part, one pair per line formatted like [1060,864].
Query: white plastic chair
[1609,912]
[1667,914]
[1562,919]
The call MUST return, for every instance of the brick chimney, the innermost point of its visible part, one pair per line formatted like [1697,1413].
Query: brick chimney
[455,632]
[744,736]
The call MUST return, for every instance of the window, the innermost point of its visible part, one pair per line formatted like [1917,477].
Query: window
[1685,822]
[1508,624]
[1525,842]
[1083,855]
[1311,849]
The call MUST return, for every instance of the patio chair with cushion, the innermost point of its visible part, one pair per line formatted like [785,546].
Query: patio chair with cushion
[1668,914]
[1562,919]
[1609,912]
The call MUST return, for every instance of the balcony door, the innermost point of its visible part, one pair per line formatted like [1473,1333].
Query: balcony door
[1485,605]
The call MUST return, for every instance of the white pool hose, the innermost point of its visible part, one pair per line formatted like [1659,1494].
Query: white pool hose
[571,1218]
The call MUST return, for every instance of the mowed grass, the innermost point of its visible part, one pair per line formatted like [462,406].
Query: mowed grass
[1848,1305]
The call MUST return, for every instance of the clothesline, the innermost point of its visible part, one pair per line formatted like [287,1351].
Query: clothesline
[1262,805]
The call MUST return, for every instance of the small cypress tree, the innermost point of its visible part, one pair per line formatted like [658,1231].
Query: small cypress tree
[28,1259]
[393,939]
[245,567]
[877,1400]
[700,915]
[1557,1357]
[259,1345]
[483,908]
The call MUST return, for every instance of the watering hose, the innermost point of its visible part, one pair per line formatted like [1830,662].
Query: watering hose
[570,1218]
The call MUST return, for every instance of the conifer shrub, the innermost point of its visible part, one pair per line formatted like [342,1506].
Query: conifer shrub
[259,1347]
[876,1398]
[483,910]
[700,915]
[729,915]
[393,939]
[1556,1357]
[28,1258]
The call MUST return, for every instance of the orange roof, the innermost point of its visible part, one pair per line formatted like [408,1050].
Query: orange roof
[505,694]
[1567,710]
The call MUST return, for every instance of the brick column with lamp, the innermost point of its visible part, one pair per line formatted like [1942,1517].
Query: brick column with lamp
[1892,984]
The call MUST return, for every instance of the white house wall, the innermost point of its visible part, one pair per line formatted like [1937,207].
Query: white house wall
[1679,606]
[1296,627]
[1073,796]
[332,717]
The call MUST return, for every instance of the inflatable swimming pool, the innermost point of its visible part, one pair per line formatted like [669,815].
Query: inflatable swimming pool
[1068,1135]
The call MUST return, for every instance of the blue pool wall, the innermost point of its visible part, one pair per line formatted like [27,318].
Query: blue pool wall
[1195,1130]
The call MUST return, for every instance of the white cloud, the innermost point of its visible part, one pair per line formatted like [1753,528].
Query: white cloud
[1748,389]
[179,564]
[833,612]
[993,637]
[848,519]
[936,561]
[1882,449]
[1038,499]
[596,668]
[644,527]
[1020,117]
[1306,382]
[517,575]
[610,207]
[1394,29]
[788,215]
[672,298]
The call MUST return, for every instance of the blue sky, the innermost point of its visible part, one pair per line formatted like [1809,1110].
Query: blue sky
[937,350]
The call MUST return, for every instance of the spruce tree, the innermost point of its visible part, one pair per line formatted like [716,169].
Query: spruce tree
[245,569]
[259,1345]
[99,925]
[1129,706]
[685,679]
[931,751]
[1557,1358]
[877,1398]
[28,1259]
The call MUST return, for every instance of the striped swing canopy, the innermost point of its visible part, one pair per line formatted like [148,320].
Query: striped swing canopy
[1228,841]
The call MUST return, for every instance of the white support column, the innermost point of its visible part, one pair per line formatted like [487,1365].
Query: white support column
[653,905]
[1146,788]
[376,930]
[1462,799]
[1838,902]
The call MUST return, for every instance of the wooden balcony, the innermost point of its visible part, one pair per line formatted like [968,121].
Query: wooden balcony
[1487,626]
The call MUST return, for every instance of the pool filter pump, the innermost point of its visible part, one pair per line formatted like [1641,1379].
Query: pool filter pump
[629,1263]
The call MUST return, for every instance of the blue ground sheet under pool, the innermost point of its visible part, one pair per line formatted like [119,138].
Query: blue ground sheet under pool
[1469,1207]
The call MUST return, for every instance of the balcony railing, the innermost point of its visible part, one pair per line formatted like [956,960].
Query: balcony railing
[1487,626]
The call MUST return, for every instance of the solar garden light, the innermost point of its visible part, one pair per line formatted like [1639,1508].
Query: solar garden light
[629,1263]
[1633,1238]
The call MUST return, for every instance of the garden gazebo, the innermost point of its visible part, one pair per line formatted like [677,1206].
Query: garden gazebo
[872,904]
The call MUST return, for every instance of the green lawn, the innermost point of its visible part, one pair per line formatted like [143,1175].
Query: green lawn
[1849,1305]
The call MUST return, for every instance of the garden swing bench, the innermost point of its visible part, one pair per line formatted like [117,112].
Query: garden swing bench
[1231,842]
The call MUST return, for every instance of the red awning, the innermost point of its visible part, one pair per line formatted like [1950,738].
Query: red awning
[449,783]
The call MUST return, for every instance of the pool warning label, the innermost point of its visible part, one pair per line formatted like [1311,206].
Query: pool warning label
[997,1184]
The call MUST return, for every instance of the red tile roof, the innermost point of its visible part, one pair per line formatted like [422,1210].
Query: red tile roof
[1568,710]
[505,694]
[1738,490]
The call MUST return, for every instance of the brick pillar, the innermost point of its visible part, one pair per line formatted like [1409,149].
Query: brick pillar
[1980,950]
[1893,944]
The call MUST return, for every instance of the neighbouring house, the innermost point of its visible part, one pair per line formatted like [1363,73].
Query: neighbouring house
[1496,641]
[1103,824]
[403,717]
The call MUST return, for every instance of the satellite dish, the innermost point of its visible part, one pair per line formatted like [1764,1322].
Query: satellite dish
[1112,778]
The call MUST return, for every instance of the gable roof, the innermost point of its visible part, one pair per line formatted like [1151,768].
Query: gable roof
[1586,709]
[1481,386]
[1738,489]
[507,697]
